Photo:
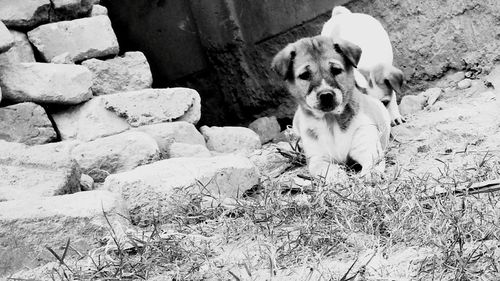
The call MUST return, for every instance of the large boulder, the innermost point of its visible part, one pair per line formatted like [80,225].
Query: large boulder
[150,106]
[230,139]
[157,189]
[28,225]
[37,171]
[6,39]
[21,51]
[82,39]
[46,83]
[26,123]
[121,74]
[25,13]
[168,133]
[88,121]
[114,154]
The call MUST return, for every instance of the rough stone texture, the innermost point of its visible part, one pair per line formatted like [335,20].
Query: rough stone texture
[21,51]
[150,106]
[46,83]
[167,133]
[464,84]
[98,10]
[6,39]
[116,153]
[178,149]
[432,95]
[88,121]
[86,182]
[230,139]
[121,74]
[64,58]
[82,38]
[37,171]
[155,189]
[26,13]
[412,104]
[494,78]
[266,127]
[27,226]
[26,123]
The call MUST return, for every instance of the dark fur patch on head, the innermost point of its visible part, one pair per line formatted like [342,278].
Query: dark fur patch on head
[312,133]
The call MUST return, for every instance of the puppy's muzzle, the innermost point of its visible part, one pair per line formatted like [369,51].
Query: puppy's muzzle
[326,100]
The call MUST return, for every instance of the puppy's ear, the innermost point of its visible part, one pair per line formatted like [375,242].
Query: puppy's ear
[350,51]
[283,62]
[394,78]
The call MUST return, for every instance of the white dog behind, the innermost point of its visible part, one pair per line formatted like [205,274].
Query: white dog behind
[375,70]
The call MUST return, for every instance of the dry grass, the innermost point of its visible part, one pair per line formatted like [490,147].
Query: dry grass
[279,228]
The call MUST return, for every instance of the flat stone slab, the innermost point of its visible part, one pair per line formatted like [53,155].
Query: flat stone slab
[46,83]
[118,153]
[82,38]
[88,121]
[6,39]
[37,171]
[168,133]
[21,51]
[155,189]
[25,13]
[121,74]
[27,226]
[26,123]
[230,139]
[151,106]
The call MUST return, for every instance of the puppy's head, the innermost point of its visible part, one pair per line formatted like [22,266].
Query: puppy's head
[382,80]
[318,72]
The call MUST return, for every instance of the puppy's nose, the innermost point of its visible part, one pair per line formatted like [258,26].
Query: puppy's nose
[326,99]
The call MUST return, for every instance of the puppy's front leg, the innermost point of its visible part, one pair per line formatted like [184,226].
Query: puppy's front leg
[392,107]
[367,150]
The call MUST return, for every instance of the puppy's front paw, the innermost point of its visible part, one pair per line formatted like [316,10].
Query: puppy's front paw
[328,173]
[398,121]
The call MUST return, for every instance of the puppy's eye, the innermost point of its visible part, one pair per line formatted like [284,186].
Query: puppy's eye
[335,70]
[306,75]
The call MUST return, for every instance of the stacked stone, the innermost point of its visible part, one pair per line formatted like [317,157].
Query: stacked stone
[78,116]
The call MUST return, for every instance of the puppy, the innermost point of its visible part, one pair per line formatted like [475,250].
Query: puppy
[376,73]
[336,122]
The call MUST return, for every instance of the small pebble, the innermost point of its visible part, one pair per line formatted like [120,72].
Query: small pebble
[464,84]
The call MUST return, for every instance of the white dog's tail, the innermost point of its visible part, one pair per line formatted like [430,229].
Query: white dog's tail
[338,10]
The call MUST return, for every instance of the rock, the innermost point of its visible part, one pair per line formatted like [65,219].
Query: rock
[82,38]
[86,183]
[98,10]
[117,153]
[150,106]
[412,104]
[464,84]
[88,121]
[70,9]
[456,77]
[26,123]
[21,51]
[440,105]
[28,172]
[230,139]
[25,13]
[494,78]
[269,161]
[64,58]
[46,83]
[432,95]
[27,226]
[167,133]
[6,39]
[121,74]
[266,127]
[161,187]
[178,149]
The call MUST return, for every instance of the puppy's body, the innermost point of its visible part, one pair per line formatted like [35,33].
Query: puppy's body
[376,72]
[336,122]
